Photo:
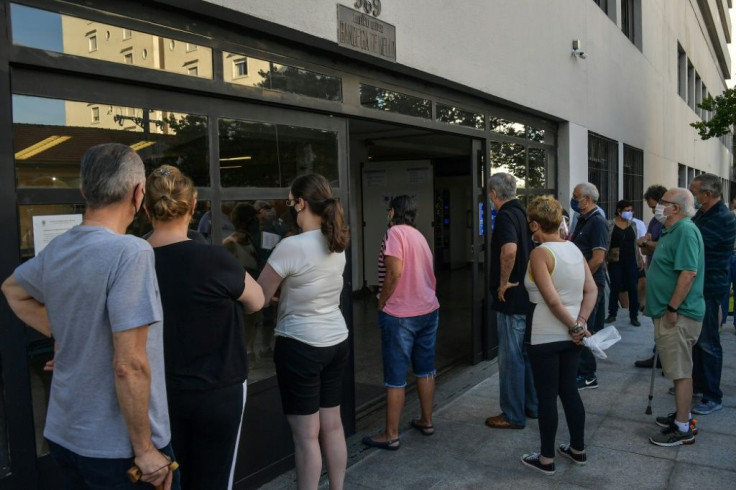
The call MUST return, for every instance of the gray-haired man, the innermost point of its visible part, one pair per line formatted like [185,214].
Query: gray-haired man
[94,289]
[511,244]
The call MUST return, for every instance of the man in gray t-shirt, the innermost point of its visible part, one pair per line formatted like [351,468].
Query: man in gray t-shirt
[95,290]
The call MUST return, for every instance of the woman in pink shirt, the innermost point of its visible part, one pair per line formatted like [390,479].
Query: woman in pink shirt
[408,316]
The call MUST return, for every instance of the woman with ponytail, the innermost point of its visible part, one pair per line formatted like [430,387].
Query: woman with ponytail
[204,291]
[311,335]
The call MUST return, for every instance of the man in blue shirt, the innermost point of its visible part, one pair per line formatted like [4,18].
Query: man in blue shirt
[591,237]
[718,227]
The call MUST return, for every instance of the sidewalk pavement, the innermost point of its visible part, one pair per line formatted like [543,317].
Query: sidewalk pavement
[464,453]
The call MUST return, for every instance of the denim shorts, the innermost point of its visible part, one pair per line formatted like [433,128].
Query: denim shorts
[404,341]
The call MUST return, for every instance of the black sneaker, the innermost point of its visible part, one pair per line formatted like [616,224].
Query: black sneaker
[532,460]
[587,382]
[667,421]
[635,322]
[672,436]
[577,458]
[610,319]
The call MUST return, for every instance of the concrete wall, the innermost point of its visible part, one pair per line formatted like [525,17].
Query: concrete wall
[520,50]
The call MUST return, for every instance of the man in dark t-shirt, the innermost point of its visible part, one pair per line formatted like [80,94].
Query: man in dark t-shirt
[510,248]
[591,237]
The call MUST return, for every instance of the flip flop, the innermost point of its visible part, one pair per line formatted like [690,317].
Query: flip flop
[390,445]
[426,430]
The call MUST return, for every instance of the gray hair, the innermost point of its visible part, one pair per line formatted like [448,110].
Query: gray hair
[109,172]
[684,199]
[590,190]
[710,183]
[504,184]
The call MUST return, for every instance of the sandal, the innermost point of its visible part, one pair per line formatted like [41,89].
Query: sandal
[390,445]
[426,430]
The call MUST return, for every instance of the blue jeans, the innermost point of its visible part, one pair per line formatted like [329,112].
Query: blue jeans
[517,393]
[708,355]
[588,365]
[731,285]
[83,473]
[406,340]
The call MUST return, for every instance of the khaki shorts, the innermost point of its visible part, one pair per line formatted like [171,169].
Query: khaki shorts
[675,345]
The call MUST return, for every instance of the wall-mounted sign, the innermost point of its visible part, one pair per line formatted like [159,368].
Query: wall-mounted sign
[363,32]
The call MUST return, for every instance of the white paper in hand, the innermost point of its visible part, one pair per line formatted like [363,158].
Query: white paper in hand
[602,340]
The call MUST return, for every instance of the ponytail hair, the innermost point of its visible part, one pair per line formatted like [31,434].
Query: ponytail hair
[316,191]
[169,194]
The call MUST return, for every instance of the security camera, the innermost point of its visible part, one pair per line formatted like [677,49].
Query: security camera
[579,53]
[577,49]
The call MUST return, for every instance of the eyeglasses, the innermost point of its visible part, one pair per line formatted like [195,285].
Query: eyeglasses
[290,202]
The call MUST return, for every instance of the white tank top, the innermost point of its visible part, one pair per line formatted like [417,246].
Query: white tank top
[568,277]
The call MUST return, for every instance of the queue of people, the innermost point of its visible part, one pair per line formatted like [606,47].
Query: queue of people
[168,315]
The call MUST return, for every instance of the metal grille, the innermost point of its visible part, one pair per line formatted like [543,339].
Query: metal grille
[634,178]
[603,171]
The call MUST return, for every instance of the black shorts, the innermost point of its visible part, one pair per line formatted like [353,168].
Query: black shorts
[309,377]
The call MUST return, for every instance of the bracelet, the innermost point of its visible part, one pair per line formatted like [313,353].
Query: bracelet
[672,309]
[585,320]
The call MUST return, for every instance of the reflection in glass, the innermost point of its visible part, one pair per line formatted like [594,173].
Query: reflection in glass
[256,154]
[509,128]
[390,101]
[50,31]
[25,222]
[510,158]
[141,225]
[258,227]
[254,72]
[536,177]
[536,134]
[453,115]
[50,136]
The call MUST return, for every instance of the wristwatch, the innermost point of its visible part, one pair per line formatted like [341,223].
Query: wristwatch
[671,309]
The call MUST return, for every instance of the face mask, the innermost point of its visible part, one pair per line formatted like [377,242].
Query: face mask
[575,205]
[696,204]
[293,212]
[627,215]
[659,213]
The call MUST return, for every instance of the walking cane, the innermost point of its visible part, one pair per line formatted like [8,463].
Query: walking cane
[651,383]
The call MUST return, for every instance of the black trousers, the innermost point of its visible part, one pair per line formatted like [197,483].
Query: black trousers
[205,430]
[555,366]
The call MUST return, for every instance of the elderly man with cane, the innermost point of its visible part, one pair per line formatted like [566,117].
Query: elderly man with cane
[675,303]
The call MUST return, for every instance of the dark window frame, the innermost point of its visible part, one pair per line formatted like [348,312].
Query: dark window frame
[603,170]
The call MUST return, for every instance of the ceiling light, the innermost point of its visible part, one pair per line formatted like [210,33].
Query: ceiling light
[235,159]
[141,144]
[40,147]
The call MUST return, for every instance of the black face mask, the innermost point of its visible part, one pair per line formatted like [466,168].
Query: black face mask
[138,210]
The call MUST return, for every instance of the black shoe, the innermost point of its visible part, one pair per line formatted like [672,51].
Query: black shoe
[587,382]
[578,458]
[647,363]
[610,319]
[669,419]
[635,322]
[532,460]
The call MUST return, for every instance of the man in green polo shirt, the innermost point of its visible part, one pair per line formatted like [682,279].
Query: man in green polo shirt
[675,303]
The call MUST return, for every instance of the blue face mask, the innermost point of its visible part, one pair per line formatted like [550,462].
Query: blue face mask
[575,205]
[696,204]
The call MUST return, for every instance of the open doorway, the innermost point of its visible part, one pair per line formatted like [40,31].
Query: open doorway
[437,170]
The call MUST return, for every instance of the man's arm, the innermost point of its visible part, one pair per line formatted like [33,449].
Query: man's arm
[508,258]
[682,288]
[133,388]
[596,259]
[394,269]
[27,308]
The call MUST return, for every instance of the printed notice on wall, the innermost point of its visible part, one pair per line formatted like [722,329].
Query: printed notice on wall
[46,228]
[416,176]
[365,33]
[374,178]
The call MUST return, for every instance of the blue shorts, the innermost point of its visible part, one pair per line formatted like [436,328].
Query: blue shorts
[404,340]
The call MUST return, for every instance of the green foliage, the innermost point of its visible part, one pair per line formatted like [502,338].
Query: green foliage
[723,108]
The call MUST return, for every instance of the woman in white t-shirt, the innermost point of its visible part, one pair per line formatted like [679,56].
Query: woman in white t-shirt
[564,293]
[311,349]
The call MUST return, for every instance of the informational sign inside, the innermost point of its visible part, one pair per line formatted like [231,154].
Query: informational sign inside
[363,32]
[46,228]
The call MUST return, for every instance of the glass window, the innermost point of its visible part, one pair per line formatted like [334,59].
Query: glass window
[193,70]
[603,171]
[51,31]
[256,154]
[453,115]
[51,135]
[634,178]
[254,72]
[200,227]
[509,128]
[251,243]
[509,158]
[93,43]
[95,114]
[390,101]
[537,175]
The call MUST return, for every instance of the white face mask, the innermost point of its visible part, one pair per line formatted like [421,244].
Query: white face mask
[659,213]
[627,215]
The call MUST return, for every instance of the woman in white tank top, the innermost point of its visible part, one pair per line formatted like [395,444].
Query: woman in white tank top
[564,293]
